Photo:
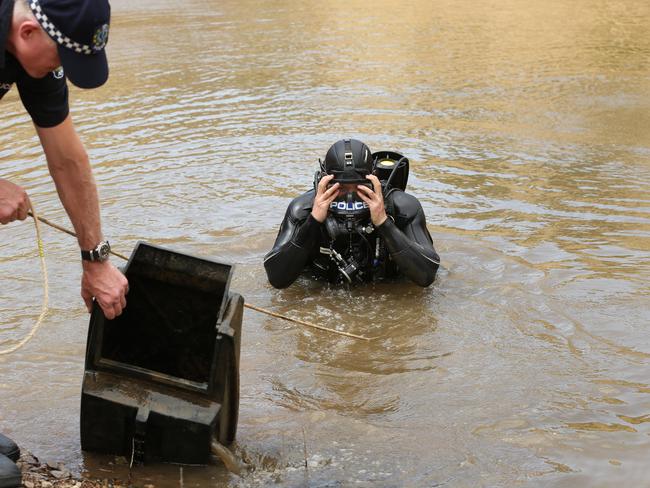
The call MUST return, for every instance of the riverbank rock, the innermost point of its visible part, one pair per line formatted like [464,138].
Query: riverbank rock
[38,474]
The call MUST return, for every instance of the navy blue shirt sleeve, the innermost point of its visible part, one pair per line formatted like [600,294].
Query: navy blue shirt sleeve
[46,99]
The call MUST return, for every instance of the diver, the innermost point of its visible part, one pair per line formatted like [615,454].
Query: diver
[356,225]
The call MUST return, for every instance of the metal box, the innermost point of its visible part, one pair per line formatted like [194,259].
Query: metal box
[162,379]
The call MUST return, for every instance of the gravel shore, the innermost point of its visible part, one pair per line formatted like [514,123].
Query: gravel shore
[37,474]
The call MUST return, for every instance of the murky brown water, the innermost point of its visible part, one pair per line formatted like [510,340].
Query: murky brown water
[526,364]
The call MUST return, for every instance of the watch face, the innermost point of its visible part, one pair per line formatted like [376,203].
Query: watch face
[103,250]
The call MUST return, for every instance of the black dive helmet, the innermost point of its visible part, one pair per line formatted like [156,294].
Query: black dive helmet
[350,161]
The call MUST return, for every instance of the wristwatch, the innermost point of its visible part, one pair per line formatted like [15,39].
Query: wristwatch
[100,253]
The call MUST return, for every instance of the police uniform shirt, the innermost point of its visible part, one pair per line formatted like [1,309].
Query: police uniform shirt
[46,99]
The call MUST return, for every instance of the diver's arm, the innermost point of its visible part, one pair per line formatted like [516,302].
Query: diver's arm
[412,248]
[291,250]
[299,233]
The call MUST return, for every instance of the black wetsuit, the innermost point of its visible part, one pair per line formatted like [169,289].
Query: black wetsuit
[402,245]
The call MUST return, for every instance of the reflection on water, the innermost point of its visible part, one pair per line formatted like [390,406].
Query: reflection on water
[526,127]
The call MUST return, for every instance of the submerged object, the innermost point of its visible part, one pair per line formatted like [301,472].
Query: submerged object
[162,379]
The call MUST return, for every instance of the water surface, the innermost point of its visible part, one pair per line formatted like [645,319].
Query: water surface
[525,364]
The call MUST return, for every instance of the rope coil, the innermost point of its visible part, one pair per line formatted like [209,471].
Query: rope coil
[46,290]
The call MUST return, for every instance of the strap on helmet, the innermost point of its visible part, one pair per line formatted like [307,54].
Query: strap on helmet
[348,155]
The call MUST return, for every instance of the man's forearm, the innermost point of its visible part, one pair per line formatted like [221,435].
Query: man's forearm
[78,193]
[417,260]
[70,169]
[291,252]
[71,172]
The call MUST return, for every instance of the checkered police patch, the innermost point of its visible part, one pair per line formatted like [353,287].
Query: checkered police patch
[55,33]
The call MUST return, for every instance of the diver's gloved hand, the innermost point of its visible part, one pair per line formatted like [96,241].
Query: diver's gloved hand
[374,199]
[324,197]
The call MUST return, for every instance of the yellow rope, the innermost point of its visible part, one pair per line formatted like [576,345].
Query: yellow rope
[46,291]
[302,322]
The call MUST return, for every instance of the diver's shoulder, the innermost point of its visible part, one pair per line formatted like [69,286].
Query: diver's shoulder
[300,207]
[405,203]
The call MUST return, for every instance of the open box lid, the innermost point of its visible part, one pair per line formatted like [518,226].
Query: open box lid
[167,332]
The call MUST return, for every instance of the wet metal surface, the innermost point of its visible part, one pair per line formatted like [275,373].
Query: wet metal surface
[526,363]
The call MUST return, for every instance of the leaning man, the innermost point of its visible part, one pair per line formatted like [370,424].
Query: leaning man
[43,42]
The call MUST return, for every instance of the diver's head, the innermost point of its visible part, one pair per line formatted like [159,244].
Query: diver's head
[349,160]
